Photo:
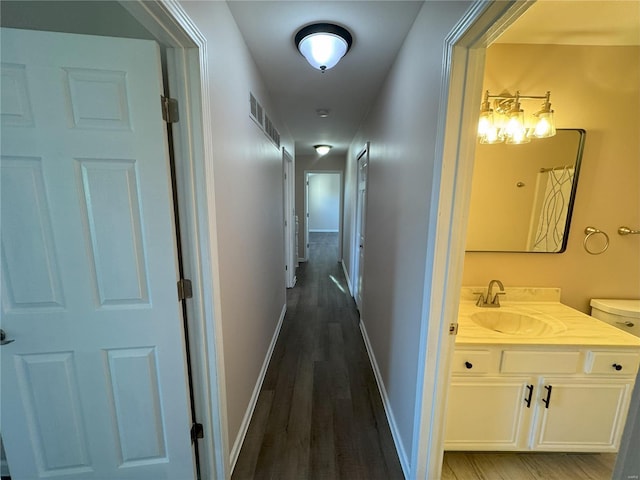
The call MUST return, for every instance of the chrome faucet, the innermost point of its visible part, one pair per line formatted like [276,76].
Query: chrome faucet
[488,301]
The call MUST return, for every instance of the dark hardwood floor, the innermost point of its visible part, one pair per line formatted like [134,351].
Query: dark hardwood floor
[319,414]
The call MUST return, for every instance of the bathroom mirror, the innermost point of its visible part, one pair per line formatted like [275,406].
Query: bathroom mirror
[522,195]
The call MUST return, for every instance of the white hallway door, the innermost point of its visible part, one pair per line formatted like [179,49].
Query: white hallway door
[93,382]
[361,213]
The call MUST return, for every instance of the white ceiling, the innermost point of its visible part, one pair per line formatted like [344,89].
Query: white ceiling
[347,90]
[577,22]
[379,28]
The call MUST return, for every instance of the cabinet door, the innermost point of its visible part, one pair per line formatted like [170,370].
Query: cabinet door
[487,413]
[582,415]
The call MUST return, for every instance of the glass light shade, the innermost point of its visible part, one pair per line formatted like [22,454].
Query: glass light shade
[491,135]
[322,149]
[323,50]
[323,44]
[515,131]
[545,126]
[485,123]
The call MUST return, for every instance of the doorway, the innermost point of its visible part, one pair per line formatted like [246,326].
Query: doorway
[288,185]
[465,61]
[323,210]
[361,209]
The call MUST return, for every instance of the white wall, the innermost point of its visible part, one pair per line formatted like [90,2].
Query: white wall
[324,202]
[248,194]
[402,128]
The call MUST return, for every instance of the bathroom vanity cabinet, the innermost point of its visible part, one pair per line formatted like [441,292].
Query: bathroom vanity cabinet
[539,398]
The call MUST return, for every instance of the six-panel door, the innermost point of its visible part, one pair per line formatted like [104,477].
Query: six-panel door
[94,384]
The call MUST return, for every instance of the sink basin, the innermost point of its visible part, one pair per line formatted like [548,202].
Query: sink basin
[514,323]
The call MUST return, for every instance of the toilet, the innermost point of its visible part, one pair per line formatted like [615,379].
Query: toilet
[623,314]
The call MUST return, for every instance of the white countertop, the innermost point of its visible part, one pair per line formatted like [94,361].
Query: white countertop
[581,329]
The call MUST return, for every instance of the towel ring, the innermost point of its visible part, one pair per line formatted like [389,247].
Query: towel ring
[590,231]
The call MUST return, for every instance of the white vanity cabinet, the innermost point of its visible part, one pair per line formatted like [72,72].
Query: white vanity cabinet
[487,413]
[539,399]
[583,415]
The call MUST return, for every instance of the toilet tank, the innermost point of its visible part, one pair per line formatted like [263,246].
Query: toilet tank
[623,314]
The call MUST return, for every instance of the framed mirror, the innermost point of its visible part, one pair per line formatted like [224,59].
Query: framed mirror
[522,195]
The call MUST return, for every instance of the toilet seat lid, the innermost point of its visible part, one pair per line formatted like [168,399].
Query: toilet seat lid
[616,306]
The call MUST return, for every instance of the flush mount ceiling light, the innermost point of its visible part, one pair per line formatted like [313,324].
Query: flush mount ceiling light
[508,123]
[322,149]
[323,44]
[322,112]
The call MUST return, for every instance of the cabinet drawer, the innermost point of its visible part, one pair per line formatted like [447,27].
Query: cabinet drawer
[472,361]
[539,362]
[619,363]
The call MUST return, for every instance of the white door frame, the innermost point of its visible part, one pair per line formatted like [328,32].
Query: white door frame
[461,87]
[307,173]
[288,168]
[355,241]
[188,74]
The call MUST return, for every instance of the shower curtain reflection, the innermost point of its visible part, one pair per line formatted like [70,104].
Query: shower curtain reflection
[550,207]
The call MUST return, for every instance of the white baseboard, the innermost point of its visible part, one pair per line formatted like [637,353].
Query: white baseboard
[346,276]
[323,230]
[244,427]
[402,454]
[301,260]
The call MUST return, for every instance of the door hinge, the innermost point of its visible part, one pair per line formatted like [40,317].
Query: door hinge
[185,289]
[453,329]
[170,109]
[197,431]
[286,267]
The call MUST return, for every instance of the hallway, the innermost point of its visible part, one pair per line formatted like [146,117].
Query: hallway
[319,414]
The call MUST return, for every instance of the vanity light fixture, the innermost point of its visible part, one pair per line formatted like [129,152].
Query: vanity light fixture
[505,122]
[322,149]
[323,44]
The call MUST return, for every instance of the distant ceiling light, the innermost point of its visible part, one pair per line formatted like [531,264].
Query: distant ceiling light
[322,112]
[323,44]
[322,149]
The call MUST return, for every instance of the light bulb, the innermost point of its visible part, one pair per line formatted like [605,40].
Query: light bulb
[485,123]
[322,149]
[492,135]
[545,126]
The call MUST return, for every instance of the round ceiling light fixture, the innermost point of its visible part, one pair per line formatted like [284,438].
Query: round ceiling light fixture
[322,149]
[323,44]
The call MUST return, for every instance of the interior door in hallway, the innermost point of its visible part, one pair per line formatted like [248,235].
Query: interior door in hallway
[361,206]
[94,380]
[288,210]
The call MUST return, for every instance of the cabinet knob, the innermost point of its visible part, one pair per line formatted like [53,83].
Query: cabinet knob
[469,365]
[617,366]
